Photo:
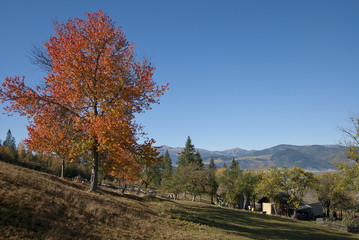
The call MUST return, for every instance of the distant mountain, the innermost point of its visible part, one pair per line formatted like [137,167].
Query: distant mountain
[310,157]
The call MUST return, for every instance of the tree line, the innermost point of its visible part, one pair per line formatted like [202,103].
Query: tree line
[234,187]
[19,154]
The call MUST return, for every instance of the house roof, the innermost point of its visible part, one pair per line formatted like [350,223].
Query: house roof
[263,200]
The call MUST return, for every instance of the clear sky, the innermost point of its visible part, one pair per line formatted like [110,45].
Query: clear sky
[250,74]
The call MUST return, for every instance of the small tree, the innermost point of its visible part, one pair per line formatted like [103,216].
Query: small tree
[10,141]
[187,156]
[296,182]
[167,165]
[246,184]
[212,165]
[351,139]
[211,182]
[227,180]
[234,164]
[271,185]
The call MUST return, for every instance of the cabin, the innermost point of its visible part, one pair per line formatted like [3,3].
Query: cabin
[310,211]
[266,206]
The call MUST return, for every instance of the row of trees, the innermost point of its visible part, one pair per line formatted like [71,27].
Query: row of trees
[239,188]
[18,154]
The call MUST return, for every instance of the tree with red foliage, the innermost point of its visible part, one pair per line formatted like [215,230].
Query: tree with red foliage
[92,91]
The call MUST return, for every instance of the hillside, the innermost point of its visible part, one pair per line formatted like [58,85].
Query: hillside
[35,205]
[311,157]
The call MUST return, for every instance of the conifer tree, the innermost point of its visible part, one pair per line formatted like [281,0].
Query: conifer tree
[198,160]
[167,165]
[212,165]
[10,141]
[234,165]
[187,156]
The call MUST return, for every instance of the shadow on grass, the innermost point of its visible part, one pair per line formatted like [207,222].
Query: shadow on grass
[254,225]
[16,219]
[146,198]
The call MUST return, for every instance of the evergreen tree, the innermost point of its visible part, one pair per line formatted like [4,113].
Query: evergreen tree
[10,141]
[234,165]
[198,160]
[212,165]
[224,165]
[187,156]
[167,165]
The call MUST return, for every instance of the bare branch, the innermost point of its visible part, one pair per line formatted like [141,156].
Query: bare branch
[38,56]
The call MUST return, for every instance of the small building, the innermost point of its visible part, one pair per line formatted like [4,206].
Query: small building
[261,201]
[266,206]
[310,211]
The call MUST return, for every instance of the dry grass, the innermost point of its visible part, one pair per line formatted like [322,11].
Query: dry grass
[35,205]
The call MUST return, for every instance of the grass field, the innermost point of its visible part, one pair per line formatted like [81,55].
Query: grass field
[35,205]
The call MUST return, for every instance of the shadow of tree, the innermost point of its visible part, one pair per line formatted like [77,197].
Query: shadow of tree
[253,225]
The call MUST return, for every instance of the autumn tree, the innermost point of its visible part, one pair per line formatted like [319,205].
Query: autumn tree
[350,168]
[296,182]
[228,179]
[96,82]
[151,167]
[246,184]
[54,136]
[351,139]
[327,187]
[271,185]
[285,187]
[334,193]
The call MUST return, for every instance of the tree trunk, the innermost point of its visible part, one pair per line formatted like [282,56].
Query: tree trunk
[63,168]
[245,202]
[124,188]
[328,211]
[212,202]
[184,196]
[295,213]
[139,188]
[194,198]
[94,171]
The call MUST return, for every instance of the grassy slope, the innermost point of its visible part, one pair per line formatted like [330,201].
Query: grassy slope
[36,205]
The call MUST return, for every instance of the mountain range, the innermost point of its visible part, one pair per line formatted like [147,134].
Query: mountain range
[309,157]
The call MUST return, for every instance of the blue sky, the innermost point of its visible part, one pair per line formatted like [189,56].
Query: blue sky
[249,74]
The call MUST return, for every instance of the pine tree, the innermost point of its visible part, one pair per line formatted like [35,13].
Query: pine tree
[187,156]
[198,160]
[234,165]
[10,141]
[212,165]
[167,165]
